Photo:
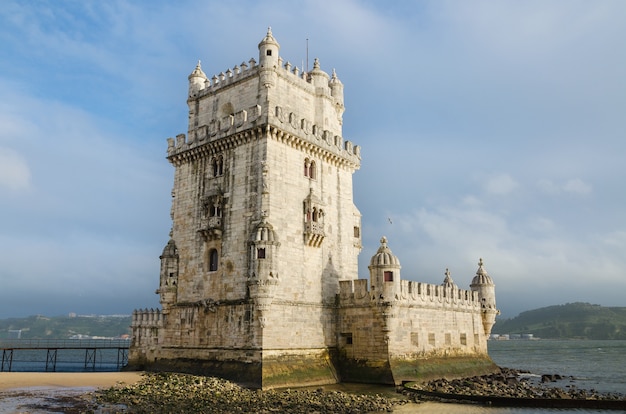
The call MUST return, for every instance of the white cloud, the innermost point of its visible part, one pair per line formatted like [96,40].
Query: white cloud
[572,186]
[577,186]
[14,171]
[501,184]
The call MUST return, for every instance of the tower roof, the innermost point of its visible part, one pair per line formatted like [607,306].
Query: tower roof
[481,278]
[448,282]
[197,72]
[264,232]
[268,39]
[384,256]
[170,249]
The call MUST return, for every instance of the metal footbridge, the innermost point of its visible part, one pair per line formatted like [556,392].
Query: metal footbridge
[55,346]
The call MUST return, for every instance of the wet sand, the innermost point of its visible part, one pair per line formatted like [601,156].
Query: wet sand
[21,380]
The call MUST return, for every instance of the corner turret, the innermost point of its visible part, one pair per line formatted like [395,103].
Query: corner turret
[483,284]
[197,80]
[168,282]
[336,91]
[384,272]
[268,51]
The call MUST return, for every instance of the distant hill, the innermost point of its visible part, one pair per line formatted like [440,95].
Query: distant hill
[572,320]
[64,327]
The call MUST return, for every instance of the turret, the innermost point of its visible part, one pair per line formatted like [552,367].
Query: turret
[168,281]
[268,51]
[483,284]
[336,91]
[319,78]
[384,272]
[263,246]
[197,80]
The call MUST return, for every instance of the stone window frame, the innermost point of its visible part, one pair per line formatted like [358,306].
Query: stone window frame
[388,276]
[217,164]
[213,260]
[310,168]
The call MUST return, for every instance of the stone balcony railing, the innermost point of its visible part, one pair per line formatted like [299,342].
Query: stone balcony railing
[211,227]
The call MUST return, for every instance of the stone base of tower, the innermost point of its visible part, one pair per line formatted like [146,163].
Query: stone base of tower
[299,368]
[246,374]
[365,371]
[426,369]
[275,369]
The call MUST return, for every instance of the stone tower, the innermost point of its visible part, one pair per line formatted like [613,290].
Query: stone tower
[258,280]
[263,226]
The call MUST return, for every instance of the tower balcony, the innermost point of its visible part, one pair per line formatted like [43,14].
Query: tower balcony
[314,233]
[211,228]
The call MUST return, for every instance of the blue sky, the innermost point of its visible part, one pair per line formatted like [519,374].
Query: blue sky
[491,129]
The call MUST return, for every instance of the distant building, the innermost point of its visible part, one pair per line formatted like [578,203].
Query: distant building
[14,334]
[259,280]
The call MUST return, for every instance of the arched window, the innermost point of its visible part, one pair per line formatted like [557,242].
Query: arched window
[218,166]
[309,168]
[213,260]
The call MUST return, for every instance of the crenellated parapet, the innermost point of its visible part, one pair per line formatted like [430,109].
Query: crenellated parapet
[146,324]
[147,318]
[314,140]
[304,134]
[201,85]
[410,293]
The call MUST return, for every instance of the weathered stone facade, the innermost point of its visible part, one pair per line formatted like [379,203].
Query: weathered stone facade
[259,281]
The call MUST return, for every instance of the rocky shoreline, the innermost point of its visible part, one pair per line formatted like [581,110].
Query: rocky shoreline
[179,393]
[512,384]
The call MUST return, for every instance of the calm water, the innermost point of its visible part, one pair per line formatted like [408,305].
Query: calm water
[599,365]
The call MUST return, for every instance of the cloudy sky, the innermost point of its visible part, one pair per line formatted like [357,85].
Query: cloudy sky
[493,129]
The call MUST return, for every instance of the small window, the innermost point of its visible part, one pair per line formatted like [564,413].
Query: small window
[309,168]
[463,339]
[347,338]
[431,339]
[213,260]
[260,253]
[357,231]
[218,166]
[448,339]
[269,52]
[388,276]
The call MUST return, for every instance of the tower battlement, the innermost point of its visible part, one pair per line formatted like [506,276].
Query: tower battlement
[411,293]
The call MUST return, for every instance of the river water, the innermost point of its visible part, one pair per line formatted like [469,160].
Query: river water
[599,365]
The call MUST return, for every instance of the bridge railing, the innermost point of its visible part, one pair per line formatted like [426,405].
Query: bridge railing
[64,343]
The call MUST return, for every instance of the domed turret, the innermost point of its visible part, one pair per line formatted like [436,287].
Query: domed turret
[336,91]
[197,80]
[448,282]
[168,280]
[319,78]
[384,271]
[263,246]
[268,51]
[483,284]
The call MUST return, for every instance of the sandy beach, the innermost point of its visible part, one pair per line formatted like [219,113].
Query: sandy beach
[13,380]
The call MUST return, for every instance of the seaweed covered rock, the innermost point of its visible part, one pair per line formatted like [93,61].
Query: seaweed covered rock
[167,393]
